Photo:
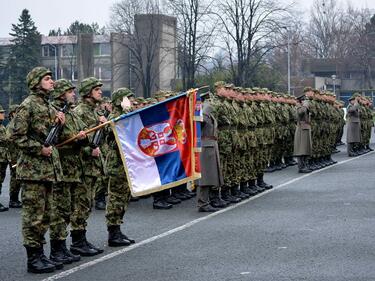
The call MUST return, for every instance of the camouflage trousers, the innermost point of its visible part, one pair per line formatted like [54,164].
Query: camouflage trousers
[3,169]
[82,203]
[36,210]
[14,185]
[101,187]
[60,219]
[118,199]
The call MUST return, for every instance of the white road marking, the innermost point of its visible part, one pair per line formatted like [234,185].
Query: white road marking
[187,225]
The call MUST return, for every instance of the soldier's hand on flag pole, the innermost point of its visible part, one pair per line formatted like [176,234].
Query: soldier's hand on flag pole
[81,135]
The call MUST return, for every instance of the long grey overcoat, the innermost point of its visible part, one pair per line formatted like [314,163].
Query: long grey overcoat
[353,133]
[302,136]
[210,159]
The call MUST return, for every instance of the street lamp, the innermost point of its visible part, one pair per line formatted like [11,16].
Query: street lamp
[334,85]
[53,46]
[286,28]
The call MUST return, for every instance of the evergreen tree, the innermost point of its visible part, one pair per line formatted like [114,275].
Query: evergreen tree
[24,55]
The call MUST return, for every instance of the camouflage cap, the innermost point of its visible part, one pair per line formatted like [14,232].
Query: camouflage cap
[13,107]
[106,99]
[35,76]
[219,84]
[1,109]
[61,87]
[88,84]
[119,94]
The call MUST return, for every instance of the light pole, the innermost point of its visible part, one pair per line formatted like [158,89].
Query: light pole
[55,59]
[287,31]
[334,85]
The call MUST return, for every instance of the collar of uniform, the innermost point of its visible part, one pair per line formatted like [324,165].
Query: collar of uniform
[40,93]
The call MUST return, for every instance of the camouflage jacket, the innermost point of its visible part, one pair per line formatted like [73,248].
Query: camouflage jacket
[87,112]
[114,162]
[70,154]
[12,148]
[31,125]
[3,144]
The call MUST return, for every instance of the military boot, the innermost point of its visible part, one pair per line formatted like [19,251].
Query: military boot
[225,194]
[161,204]
[57,254]
[132,241]
[68,253]
[216,201]
[313,164]
[254,188]
[14,202]
[56,264]
[80,245]
[289,161]
[238,193]
[35,263]
[3,208]
[171,199]
[270,168]
[246,188]
[115,239]
[262,183]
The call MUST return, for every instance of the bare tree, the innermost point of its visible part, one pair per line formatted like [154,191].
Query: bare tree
[324,29]
[250,26]
[361,49]
[195,35]
[143,41]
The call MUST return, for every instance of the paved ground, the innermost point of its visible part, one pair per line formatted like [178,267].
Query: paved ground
[318,226]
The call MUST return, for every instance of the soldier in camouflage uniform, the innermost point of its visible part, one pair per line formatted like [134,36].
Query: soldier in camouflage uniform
[101,185]
[14,185]
[221,110]
[118,189]
[63,95]
[93,167]
[38,166]
[3,153]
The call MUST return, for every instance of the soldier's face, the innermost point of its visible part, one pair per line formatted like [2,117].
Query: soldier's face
[47,83]
[70,96]
[2,116]
[96,93]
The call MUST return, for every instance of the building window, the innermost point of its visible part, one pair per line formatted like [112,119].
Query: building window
[69,73]
[106,73]
[68,50]
[48,51]
[103,72]
[102,49]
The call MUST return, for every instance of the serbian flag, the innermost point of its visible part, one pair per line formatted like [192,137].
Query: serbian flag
[198,119]
[157,144]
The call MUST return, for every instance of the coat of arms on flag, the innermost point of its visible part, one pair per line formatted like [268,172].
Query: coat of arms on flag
[157,144]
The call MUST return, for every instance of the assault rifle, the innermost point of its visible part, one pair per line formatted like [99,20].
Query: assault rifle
[97,138]
[56,128]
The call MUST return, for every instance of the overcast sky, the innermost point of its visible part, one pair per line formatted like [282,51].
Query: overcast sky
[52,14]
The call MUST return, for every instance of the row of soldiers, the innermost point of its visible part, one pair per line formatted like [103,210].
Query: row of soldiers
[360,122]
[59,183]
[324,118]
[255,129]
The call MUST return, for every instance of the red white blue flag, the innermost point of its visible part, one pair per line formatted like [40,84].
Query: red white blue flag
[157,144]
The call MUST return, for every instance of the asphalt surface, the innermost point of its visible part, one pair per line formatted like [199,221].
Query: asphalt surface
[318,226]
